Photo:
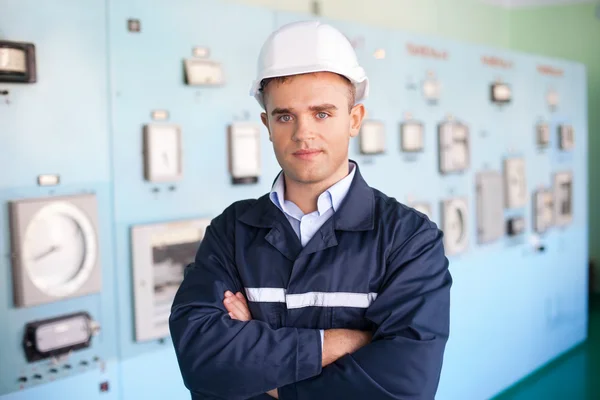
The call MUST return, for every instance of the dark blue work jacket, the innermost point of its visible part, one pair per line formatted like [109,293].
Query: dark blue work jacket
[374,265]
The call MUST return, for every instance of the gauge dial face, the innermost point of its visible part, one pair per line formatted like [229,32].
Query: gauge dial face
[59,249]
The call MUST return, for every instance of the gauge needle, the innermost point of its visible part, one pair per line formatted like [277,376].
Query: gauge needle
[46,253]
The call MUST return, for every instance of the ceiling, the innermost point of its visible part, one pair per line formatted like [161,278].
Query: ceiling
[532,3]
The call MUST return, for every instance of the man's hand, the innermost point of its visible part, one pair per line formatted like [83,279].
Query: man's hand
[339,342]
[237,306]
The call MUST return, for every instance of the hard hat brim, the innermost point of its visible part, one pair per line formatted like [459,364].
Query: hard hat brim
[357,77]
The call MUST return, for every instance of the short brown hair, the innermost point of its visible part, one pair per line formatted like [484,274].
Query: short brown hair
[283,79]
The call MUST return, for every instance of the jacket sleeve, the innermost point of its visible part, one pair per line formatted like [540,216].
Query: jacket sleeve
[224,358]
[411,319]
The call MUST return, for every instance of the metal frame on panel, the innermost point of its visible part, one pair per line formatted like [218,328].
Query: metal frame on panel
[161,250]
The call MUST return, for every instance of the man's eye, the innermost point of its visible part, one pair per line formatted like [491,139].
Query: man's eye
[322,115]
[285,118]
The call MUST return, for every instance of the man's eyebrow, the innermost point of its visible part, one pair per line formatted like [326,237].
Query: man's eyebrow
[281,111]
[323,107]
[318,108]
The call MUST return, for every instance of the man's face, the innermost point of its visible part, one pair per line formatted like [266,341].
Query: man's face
[310,125]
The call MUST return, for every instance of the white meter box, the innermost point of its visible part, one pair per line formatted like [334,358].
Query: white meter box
[454,147]
[160,253]
[162,153]
[372,137]
[244,152]
[500,93]
[55,249]
[543,135]
[411,136]
[201,72]
[431,89]
[515,181]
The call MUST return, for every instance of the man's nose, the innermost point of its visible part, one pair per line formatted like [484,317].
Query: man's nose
[304,130]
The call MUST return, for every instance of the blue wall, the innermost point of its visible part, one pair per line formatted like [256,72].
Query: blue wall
[513,308]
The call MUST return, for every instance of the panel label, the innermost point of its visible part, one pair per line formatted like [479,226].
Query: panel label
[549,70]
[496,62]
[426,51]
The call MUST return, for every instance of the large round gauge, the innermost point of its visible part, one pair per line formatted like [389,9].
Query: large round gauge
[55,251]
[59,249]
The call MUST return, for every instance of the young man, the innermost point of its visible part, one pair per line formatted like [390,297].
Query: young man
[324,288]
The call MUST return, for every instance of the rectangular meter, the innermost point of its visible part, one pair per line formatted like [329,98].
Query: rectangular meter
[563,198]
[58,335]
[162,153]
[411,136]
[500,93]
[453,147]
[244,152]
[543,134]
[17,62]
[372,137]
[200,72]
[515,181]
[566,137]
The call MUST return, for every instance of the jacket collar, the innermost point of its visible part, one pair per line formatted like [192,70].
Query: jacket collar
[356,212]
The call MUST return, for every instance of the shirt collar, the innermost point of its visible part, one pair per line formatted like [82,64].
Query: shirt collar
[356,213]
[331,198]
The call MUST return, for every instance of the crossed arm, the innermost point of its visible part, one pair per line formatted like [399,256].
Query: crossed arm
[336,343]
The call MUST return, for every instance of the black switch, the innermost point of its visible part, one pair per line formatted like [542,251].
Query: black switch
[37,376]
[23,379]
[53,370]
[67,366]
[84,363]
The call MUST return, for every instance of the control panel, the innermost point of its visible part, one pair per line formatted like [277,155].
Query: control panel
[116,163]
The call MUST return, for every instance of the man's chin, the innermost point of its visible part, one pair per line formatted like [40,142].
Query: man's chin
[305,177]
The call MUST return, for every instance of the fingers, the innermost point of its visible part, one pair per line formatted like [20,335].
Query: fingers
[237,306]
[242,298]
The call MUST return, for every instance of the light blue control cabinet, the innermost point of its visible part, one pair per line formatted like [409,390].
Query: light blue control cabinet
[506,180]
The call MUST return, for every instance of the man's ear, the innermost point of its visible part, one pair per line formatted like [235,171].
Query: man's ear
[357,114]
[265,120]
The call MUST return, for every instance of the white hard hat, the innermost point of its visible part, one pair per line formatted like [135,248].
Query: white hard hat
[309,46]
